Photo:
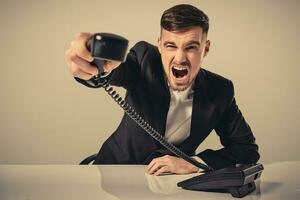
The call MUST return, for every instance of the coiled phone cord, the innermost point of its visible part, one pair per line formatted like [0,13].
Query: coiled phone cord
[148,128]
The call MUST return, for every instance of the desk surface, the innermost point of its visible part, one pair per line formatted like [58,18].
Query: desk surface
[112,182]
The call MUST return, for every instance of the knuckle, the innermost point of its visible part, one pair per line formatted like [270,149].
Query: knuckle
[68,53]
[81,53]
[72,56]
[79,35]
[150,163]
[82,35]
[74,70]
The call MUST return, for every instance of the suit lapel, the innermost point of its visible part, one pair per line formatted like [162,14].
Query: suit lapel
[161,99]
[202,113]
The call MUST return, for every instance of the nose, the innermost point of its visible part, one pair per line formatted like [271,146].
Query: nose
[180,56]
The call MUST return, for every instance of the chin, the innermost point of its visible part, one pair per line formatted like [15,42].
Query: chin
[179,87]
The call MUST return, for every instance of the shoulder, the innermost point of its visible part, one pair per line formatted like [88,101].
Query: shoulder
[217,85]
[148,57]
[144,49]
[144,46]
[216,80]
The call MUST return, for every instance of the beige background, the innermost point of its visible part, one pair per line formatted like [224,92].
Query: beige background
[47,117]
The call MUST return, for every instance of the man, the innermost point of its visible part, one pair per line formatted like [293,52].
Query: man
[168,88]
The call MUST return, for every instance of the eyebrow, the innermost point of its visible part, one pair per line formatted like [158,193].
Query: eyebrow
[189,43]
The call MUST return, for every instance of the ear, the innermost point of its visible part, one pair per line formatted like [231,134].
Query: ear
[159,44]
[206,48]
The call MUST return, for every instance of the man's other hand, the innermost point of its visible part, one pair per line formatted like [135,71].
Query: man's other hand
[170,164]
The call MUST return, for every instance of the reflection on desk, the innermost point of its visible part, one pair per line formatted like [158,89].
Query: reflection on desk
[278,181]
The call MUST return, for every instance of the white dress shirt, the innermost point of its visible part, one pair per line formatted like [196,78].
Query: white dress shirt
[178,123]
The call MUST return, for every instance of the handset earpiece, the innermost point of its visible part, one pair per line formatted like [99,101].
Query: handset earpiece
[106,46]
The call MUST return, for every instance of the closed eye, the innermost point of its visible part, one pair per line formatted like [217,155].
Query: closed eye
[170,46]
[192,47]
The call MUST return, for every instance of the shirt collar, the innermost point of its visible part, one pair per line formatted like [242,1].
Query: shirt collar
[184,95]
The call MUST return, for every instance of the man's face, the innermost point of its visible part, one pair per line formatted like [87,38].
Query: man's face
[182,53]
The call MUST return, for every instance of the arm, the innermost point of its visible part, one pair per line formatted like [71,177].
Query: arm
[79,60]
[125,75]
[236,137]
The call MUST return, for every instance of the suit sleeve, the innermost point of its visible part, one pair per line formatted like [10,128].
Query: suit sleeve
[127,74]
[236,137]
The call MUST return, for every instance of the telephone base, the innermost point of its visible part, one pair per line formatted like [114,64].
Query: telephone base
[238,180]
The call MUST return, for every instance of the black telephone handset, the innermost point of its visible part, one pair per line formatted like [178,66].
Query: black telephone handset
[104,47]
[238,180]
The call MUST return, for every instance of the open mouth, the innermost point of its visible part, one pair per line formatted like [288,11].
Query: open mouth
[179,72]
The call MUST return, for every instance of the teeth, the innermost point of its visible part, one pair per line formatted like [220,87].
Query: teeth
[179,68]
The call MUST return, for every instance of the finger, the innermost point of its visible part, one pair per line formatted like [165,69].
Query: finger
[75,62]
[162,160]
[162,170]
[81,74]
[110,65]
[156,167]
[151,164]
[69,53]
[84,65]
[79,44]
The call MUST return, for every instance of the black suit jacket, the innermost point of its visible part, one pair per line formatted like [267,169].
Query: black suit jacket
[214,108]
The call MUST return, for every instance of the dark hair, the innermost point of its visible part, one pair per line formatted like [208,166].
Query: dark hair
[184,16]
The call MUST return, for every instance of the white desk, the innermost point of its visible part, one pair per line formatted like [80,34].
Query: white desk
[43,182]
